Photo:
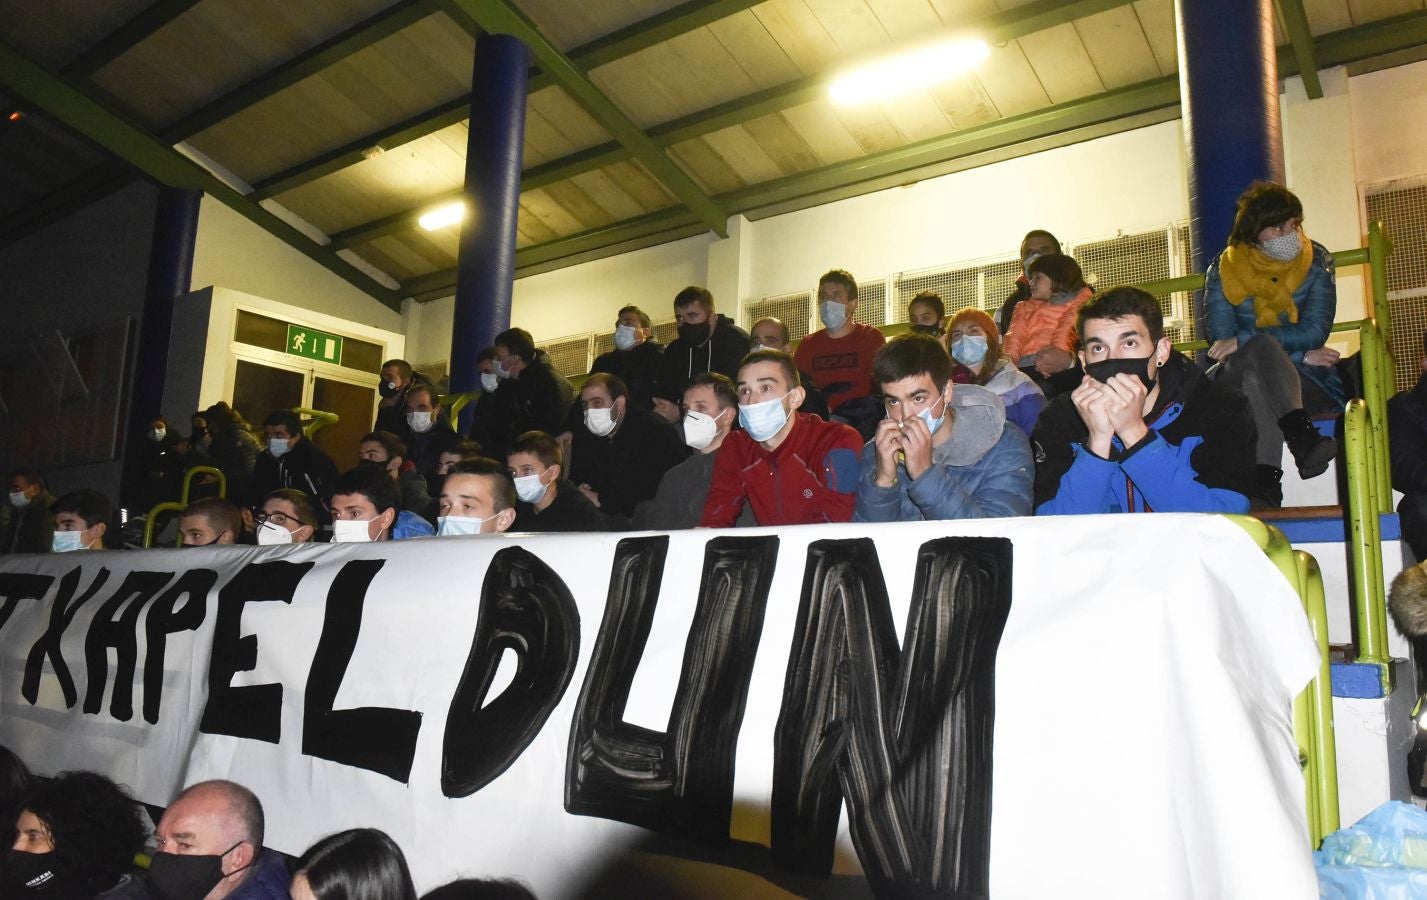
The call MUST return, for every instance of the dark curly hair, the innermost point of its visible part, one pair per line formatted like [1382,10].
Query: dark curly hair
[1263,205]
[94,823]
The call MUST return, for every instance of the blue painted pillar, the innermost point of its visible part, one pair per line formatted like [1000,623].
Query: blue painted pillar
[1228,85]
[485,271]
[170,272]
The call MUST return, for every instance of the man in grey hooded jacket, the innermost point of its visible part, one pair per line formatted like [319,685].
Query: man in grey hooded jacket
[943,451]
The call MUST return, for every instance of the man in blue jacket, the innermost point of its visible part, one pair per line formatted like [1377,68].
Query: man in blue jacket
[943,451]
[1145,431]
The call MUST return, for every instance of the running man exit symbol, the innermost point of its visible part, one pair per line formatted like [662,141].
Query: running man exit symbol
[314,344]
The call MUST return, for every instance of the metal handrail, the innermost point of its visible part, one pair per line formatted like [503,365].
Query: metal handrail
[152,516]
[320,419]
[1313,707]
[1366,544]
[181,503]
[454,403]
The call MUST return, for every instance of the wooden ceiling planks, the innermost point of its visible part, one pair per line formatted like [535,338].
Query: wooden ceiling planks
[569,24]
[754,50]
[568,118]
[1327,15]
[799,32]
[788,149]
[1118,47]
[743,154]
[854,28]
[600,188]
[29,26]
[827,136]
[1011,82]
[1157,20]
[1061,63]
[906,21]
[711,171]
[579,205]
[965,102]
[1365,11]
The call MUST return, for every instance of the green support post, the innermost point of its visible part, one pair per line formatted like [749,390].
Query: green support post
[1366,543]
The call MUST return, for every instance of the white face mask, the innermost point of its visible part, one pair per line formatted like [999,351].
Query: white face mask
[420,421]
[65,541]
[448,526]
[600,422]
[158,434]
[763,420]
[272,533]
[700,429]
[19,500]
[530,488]
[489,381]
[352,531]
[500,370]
[625,336]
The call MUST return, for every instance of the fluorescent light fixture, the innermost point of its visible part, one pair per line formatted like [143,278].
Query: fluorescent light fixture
[912,70]
[442,216]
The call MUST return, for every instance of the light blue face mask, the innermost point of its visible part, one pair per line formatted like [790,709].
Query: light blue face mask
[277,446]
[448,526]
[926,416]
[65,541]
[969,349]
[834,314]
[763,420]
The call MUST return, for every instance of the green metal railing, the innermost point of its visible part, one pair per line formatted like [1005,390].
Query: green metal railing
[182,502]
[1313,707]
[1364,486]
[319,419]
[454,403]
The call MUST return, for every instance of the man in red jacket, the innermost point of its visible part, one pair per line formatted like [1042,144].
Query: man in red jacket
[793,469]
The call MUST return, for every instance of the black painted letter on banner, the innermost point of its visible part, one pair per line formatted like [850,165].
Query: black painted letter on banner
[105,631]
[679,782]
[370,737]
[252,711]
[61,614]
[526,608]
[904,735]
[163,620]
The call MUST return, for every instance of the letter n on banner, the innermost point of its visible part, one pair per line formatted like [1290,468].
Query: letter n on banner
[904,735]
[679,782]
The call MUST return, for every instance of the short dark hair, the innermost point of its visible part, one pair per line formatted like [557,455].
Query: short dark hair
[94,823]
[502,485]
[427,388]
[301,504]
[909,355]
[374,484]
[220,515]
[517,342]
[389,442]
[360,864]
[1119,303]
[723,387]
[1041,233]
[31,475]
[784,360]
[403,368]
[287,419]
[1263,205]
[541,445]
[488,353]
[463,448]
[613,384]
[842,277]
[928,298]
[1063,271]
[644,320]
[695,294]
[87,503]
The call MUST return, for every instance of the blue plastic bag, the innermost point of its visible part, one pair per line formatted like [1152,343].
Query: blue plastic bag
[1383,857]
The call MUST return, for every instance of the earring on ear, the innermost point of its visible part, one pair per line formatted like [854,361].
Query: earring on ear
[1159,364]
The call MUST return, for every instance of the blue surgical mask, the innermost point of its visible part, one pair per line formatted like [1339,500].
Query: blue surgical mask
[65,541]
[926,416]
[969,349]
[530,488]
[278,446]
[834,314]
[763,420]
[452,526]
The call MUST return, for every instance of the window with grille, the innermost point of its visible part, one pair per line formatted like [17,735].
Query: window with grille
[664,332]
[1402,206]
[793,310]
[983,285]
[871,303]
[1136,259]
[569,355]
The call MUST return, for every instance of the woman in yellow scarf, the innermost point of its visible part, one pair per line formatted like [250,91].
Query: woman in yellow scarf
[1269,303]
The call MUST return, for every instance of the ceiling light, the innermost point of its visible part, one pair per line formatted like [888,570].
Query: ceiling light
[442,216]
[913,70]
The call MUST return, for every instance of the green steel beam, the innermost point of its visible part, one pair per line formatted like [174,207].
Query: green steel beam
[501,17]
[624,42]
[70,106]
[382,25]
[1373,39]
[1300,37]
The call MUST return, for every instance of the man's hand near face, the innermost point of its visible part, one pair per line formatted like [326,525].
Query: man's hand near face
[1090,403]
[888,443]
[1125,407]
[917,445]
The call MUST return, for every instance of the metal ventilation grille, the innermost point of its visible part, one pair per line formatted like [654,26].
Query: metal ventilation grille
[1402,205]
[794,310]
[604,343]
[664,332]
[439,372]
[984,285]
[872,303]
[1135,259]
[569,355]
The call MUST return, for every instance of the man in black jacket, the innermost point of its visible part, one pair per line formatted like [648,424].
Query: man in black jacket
[620,453]
[635,357]
[532,396]
[291,461]
[1035,244]
[1407,434]
[397,378]
[708,342]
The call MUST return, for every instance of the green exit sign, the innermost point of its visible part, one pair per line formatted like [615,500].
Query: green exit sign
[314,344]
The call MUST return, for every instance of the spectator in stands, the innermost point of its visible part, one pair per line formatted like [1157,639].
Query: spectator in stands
[840,355]
[397,378]
[532,397]
[211,521]
[481,889]
[545,500]
[209,845]
[484,418]
[1035,244]
[367,507]
[81,521]
[428,430]
[1407,434]
[77,837]
[153,466]
[1042,337]
[450,455]
[1145,431]
[291,460]
[708,342]
[478,497]
[635,357]
[31,527]
[361,864]
[287,517]
[926,314]
[383,451]
[710,411]
[619,452]
[793,469]
[1269,304]
[771,334]
[15,781]
[976,349]
[232,447]
[943,451]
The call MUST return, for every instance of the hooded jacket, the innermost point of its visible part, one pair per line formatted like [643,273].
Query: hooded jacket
[982,471]
[721,352]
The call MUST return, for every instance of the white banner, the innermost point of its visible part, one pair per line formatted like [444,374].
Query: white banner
[443,691]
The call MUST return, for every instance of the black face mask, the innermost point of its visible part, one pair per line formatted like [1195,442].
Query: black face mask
[1106,369]
[371,464]
[23,874]
[388,389]
[933,330]
[175,877]
[694,334]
